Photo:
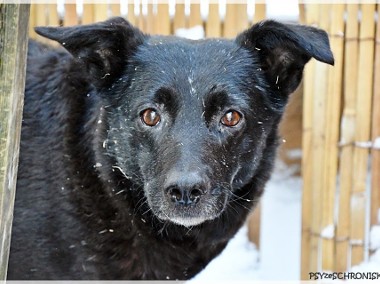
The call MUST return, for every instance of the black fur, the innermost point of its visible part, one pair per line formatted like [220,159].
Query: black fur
[101,195]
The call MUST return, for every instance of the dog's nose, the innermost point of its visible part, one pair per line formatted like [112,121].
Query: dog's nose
[184,196]
[185,189]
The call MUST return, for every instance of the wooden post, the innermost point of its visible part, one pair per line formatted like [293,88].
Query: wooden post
[13,39]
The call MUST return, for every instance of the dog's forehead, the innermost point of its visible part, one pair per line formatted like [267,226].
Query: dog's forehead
[200,57]
[192,67]
[172,43]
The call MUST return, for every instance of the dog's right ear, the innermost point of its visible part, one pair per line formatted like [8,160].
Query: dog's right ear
[282,51]
[103,48]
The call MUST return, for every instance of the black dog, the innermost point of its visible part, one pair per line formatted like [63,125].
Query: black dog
[141,156]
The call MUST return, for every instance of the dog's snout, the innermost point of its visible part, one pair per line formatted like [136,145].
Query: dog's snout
[186,189]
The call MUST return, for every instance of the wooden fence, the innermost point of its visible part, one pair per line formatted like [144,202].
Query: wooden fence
[341,115]
[153,18]
[341,161]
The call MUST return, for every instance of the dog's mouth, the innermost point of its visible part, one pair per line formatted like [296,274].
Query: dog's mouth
[188,221]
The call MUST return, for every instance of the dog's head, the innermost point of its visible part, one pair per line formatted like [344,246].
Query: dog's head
[192,122]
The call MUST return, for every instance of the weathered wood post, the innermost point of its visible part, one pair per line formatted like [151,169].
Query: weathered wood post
[13,46]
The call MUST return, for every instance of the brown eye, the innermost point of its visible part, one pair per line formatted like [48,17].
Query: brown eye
[150,117]
[231,118]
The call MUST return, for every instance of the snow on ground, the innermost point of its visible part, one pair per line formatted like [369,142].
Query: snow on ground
[279,256]
[239,261]
[373,264]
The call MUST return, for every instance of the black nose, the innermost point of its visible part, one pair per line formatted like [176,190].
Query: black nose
[185,188]
[183,195]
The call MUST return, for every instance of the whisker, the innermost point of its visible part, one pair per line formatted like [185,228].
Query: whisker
[121,170]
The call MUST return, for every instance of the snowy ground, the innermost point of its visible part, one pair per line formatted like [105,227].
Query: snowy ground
[279,256]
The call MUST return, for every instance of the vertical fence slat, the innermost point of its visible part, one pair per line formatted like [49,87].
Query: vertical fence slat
[162,20]
[39,18]
[375,184]
[140,19]
[333,106]
[131,17]
[71,17]
[260,12]
[41,15]
[53,17]
[149,20]
[101,12]
[179,21]
[254,223]
[318,145]
[359,197]
[115,10]
[236,20]
[32,21]
[14,34]
[88,14]
[195,18]
[311,12]
[302,13]
[213,25]
[347,136]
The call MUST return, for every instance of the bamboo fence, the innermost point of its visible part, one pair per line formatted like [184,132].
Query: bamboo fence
[341,108]
[152,18]
[341,105]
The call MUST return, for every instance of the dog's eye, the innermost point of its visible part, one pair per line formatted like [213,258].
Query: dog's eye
[150,117]
[231,118]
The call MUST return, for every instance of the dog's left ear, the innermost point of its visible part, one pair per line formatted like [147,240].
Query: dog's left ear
[284,49]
